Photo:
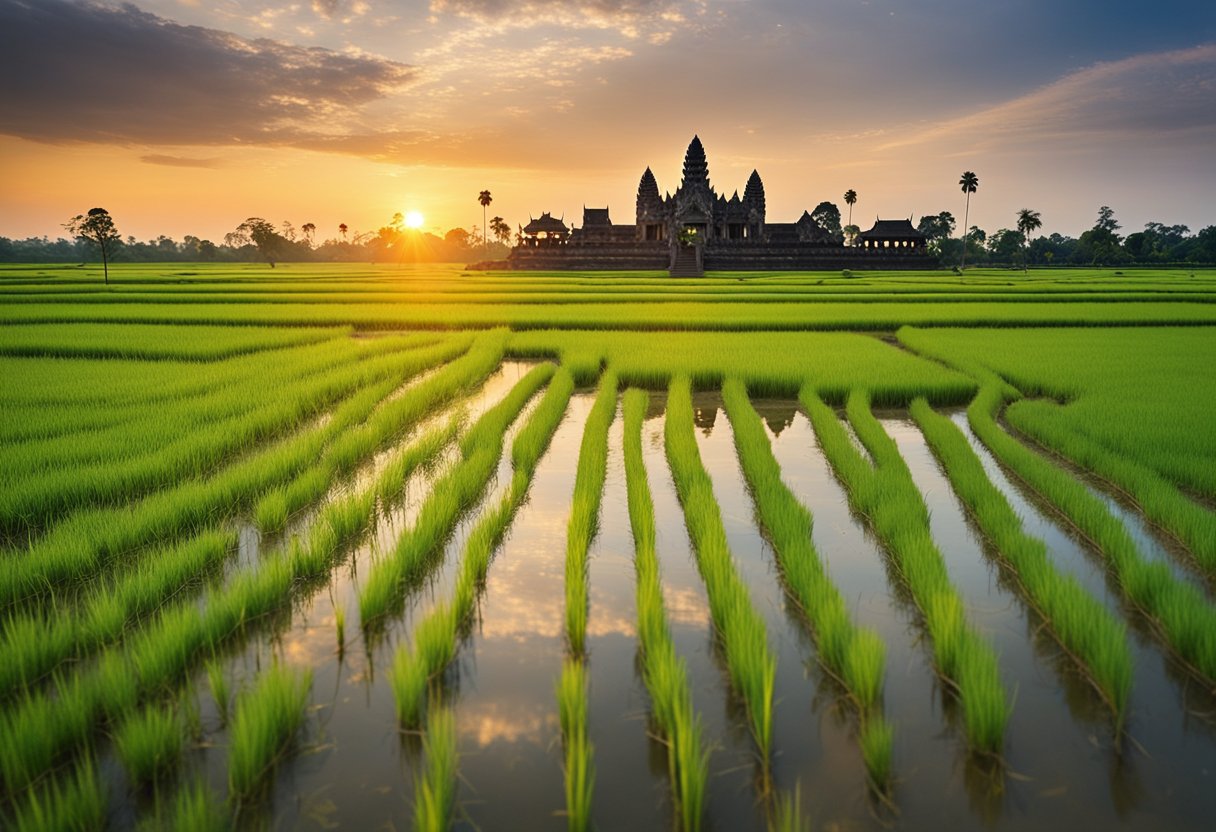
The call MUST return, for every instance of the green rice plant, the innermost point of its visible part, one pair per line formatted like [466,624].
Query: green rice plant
[1082,625]
[585,509]
[196,809]
[78,472]
[76,802]
[664,673]
[434,640]
[160,654]
[579,765]
[855,656]
[449,498]
[266,718]
[87,542]
[149,743]
[218,683]
[750,664]
[33,644]
[876,736]
[1100,396]
[1183,616]
[888,498]
[271,511]
[340,625]
[435,786]
[787,814]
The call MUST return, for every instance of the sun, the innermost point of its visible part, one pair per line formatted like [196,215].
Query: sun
[414,219]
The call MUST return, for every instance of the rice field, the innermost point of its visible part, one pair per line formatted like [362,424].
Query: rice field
[378,547]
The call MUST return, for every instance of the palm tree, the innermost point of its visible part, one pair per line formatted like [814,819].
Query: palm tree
[1028,221]
[970,184]
[485,199]
[342,230]
[850,198]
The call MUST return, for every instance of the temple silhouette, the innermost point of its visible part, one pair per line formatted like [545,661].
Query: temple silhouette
[697,228]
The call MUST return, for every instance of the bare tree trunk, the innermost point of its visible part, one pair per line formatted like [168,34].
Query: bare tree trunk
[966,217]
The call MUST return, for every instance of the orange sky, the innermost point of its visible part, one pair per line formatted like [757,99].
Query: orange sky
[338,111]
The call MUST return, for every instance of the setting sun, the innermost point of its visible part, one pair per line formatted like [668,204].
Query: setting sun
[414,219]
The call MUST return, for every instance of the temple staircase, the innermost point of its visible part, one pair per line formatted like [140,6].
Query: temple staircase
[686,263]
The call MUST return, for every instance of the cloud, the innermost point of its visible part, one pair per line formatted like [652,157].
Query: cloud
[1148,97]
[84,72]
[178,161]
[629,17]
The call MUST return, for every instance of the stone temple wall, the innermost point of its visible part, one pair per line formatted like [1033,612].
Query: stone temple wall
[638,256]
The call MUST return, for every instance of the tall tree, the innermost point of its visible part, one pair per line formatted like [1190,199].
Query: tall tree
[970,183]
[485,199]
[96,226]
[1028,221]
[308,229]
[342,228]
[850,199]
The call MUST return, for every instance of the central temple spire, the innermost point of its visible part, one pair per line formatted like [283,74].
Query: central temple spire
[696,169]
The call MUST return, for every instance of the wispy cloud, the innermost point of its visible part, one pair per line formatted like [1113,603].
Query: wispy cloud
[97,73]
[1155,95]
[178,161]
[630,17]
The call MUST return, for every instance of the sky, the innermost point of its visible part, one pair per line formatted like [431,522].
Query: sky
[187,116]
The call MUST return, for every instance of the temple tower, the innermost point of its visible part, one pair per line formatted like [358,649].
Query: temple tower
[694,199]
[651,219]
[753,203]
[696,169]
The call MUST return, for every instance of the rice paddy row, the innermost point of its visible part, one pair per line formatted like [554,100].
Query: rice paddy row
[886,495]
[854,655]
[664,672]
[741,630]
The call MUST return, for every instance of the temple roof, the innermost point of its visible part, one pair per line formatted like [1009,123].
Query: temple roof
[547,223]
[595,216]
[892,230]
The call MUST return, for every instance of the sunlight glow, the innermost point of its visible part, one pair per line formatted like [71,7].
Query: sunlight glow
[414,219]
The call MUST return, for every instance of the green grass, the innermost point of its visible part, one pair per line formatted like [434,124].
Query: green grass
[894,509]
[585,509]
[1090,634]
[744,637]
[266,718]
[663,671]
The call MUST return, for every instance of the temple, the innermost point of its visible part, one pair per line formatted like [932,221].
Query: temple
[697,228]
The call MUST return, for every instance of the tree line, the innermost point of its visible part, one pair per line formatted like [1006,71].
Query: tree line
[1101,245]
[258,240]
